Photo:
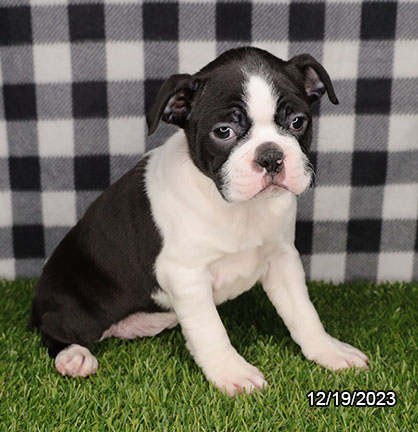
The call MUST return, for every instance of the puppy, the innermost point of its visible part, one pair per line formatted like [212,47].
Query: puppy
[197,222]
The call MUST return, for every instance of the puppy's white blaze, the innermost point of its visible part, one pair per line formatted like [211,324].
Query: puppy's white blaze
[241,180]
[261,100]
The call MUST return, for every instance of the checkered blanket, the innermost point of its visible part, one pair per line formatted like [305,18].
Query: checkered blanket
[77,77]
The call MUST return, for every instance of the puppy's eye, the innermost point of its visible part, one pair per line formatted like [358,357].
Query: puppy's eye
[297,123]
[224,133]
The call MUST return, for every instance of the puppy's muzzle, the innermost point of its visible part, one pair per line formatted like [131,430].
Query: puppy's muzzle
[269,156]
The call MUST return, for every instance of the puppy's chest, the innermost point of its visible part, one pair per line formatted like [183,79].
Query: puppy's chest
[249,240]
[236,273]
[231,275]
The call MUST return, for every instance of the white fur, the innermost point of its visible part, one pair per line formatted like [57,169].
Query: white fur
[243,180]
[76,360]
[213,251]
[141,324]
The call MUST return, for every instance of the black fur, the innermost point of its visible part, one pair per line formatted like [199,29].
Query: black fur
[102,271]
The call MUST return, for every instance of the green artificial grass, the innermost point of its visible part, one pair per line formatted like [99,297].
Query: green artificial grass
[152,384]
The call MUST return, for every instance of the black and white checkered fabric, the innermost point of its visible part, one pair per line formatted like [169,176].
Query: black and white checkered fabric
[77,77]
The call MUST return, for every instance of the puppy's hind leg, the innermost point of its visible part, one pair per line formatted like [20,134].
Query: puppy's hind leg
[67,340]
[76,360]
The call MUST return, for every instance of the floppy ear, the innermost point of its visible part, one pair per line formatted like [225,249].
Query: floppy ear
[173,102]
[317,80]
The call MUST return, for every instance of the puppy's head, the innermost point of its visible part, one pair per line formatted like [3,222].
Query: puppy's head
[247,118]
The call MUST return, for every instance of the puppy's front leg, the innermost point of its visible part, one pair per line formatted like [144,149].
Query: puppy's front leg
[192,299]
[284,283]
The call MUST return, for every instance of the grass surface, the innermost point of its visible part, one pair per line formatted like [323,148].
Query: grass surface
[153,384]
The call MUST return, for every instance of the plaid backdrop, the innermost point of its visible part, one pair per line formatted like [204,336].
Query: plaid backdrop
[77,77]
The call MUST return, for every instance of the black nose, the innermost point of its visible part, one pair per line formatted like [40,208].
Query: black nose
[269,156]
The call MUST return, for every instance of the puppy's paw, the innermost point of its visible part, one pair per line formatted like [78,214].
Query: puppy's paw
[234,375]
[335,355]
[76,360]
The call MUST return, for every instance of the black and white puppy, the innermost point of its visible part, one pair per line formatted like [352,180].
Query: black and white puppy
[197,222]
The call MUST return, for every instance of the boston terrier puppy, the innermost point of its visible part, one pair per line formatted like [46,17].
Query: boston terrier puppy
[198,221]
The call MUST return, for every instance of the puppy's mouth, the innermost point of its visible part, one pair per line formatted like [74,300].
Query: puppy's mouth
[272,184]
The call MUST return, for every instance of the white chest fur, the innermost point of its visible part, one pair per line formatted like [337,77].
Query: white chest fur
[230,243]
[236,273]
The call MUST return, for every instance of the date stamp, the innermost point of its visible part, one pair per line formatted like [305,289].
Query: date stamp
[356,398]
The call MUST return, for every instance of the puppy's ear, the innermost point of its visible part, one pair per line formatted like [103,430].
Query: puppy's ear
[317,80]
[173,102]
